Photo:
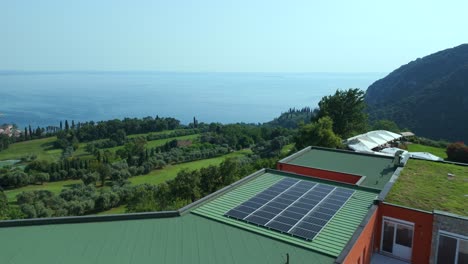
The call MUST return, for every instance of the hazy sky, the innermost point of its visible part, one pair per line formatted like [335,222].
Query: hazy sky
[221,35]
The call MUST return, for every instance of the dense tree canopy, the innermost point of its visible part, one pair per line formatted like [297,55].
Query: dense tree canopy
[385,124]
[319,133]
[346,109]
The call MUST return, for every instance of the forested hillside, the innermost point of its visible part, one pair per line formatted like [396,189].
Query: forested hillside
[428,95]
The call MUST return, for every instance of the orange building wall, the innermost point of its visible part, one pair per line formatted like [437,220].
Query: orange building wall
[319,173]
[362,249]
[422,236]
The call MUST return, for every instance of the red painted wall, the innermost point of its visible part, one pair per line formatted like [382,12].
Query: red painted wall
[319,173]
[422,234]
[362,249]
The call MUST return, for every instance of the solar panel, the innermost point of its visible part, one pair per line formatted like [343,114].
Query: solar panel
[296,207]
[245,209]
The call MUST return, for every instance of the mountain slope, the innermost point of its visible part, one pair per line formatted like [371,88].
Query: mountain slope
[428,95]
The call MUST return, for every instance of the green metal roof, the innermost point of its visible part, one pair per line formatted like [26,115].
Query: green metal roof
[377,169]
[185,239]
[330,241]
[203,235]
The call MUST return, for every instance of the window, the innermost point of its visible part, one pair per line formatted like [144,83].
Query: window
[452,248]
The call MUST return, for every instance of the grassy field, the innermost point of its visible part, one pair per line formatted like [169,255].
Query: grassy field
[55,187]
[433,150]
[42,148]
[170,172]
[425,185]
[155,177]
[153,133]
[160,142]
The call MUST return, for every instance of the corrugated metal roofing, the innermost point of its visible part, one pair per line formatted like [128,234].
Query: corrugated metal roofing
[377,169]
[185,239]
[331,240]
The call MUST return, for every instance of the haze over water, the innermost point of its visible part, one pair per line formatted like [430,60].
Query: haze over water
[45,98]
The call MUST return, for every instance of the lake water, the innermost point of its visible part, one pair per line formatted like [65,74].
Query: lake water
[46,98]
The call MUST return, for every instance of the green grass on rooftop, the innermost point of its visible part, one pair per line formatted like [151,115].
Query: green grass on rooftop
[426,185]
[440,152]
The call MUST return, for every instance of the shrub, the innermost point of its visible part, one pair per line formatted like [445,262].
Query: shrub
[457,152]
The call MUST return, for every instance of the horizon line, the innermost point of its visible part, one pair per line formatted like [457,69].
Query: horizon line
[10,71]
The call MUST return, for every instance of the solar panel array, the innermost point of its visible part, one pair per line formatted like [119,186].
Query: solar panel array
[296,207]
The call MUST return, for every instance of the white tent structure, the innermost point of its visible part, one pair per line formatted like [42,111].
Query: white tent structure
[425,155]
[370,140]
[392,151]
[378,138]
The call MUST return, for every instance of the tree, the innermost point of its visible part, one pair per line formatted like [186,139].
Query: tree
[385,124]
[3,206]
[67,127]
[346,109]
[186,185]
[90,178]
[319,133]
[104,171]
[42,177]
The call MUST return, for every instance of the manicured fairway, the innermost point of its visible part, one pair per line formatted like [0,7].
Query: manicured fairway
[154,177]
[42,148]
[170,172]
[55,187]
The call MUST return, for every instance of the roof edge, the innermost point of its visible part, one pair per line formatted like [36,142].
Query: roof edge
[351,152]
[457,216]
[350,185]
[295,155]
[219,192]
[388,186]
[87,219]
[408,208]
[357,233]
[310,148]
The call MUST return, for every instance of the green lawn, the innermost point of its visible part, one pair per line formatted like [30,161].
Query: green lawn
[160,142]
[433,150]
[55,187]
[153,133]
[42,148]
[425,185]
[170,172]
[155,177]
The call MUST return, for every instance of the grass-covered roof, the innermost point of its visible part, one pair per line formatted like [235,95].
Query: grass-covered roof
[427,185]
